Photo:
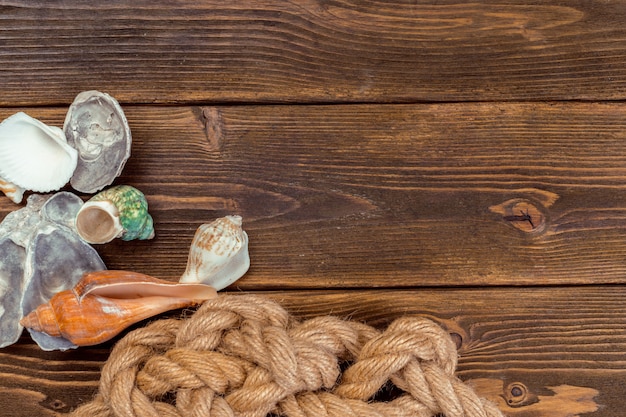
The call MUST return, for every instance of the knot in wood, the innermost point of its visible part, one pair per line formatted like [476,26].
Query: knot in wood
[246,356]
[518,395]
[522,214]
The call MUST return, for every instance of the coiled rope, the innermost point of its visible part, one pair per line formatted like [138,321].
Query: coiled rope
[245,356]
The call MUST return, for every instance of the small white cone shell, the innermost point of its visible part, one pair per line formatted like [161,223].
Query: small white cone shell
[12,191]
[219,253]
[33,155]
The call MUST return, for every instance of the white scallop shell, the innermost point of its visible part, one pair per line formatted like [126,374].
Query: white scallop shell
[96,126]
[219,253]
[33,155]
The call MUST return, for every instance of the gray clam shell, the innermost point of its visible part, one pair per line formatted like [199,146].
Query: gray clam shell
[11,289]
[40,255]
[96,126]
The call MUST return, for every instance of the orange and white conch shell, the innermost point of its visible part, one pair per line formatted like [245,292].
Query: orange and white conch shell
[104,303]
[219,253]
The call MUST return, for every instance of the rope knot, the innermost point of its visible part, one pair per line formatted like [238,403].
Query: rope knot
[242,355]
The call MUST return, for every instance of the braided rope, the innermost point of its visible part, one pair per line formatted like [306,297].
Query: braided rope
[245,356]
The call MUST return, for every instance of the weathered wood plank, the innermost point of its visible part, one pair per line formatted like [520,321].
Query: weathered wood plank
[562,348]
[312,51]
[364,196]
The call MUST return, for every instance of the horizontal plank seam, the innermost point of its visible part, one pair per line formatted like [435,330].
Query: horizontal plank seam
[286,103]
[557,285]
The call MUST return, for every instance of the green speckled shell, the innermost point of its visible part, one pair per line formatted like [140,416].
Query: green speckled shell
[133,209]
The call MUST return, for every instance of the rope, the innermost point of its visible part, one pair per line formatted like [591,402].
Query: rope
[245,356]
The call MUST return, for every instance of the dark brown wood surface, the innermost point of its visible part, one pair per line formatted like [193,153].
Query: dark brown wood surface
[463,162]
[307,50]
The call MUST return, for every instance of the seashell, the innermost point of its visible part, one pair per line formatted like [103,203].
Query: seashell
[14,192]
[104,303]
[33,155]
[61,209]
[120,211]
[219,253]
[96,126]
[11,289]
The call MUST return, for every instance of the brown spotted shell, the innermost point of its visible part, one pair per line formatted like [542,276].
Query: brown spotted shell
[219,253]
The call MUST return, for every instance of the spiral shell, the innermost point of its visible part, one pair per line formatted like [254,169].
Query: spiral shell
[14,192]
[218,255]
[104,303]
[120,211]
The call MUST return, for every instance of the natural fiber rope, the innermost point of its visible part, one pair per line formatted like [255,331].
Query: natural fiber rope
[245,356]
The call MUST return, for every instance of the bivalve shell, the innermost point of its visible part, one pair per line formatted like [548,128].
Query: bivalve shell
[33,155]
[96,126]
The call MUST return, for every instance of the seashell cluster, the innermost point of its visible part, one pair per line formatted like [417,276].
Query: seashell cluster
[40,255]
[104,303]
[68,299]
[120,211]
[89,152]
[52,281]
[218,255]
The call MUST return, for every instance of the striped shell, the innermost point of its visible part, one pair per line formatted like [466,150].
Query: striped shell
[219,253]
[12,191]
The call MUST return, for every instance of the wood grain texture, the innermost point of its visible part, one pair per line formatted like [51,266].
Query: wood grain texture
[463,161]
[312,51]
[392,196]
[562,346]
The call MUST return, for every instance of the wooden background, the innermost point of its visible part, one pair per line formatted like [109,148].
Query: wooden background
[375,151]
